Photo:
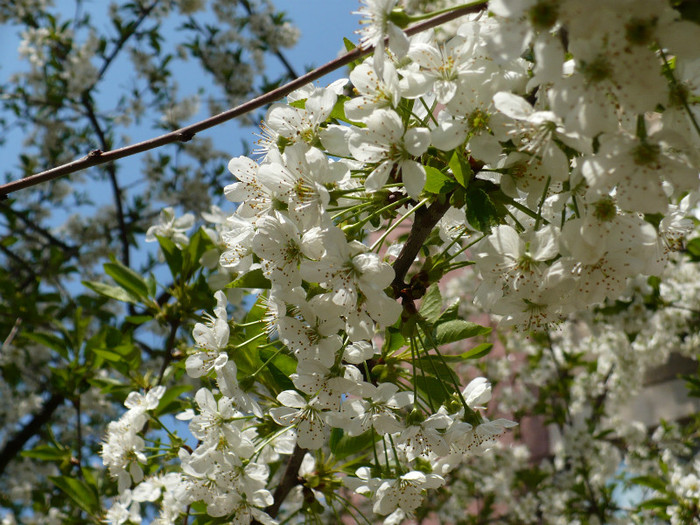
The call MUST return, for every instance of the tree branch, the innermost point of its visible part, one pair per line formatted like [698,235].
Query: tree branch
[23,216]
[97,157]
[425,221]
[289,480]
[15,445]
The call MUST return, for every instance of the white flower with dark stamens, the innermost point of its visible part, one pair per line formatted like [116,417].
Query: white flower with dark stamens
[305,416]
[392,148]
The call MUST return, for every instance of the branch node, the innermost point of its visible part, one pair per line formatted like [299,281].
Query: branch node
[185,136]
[94,153]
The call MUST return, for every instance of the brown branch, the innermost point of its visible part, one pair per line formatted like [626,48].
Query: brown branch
[24,217]
[97,157]
[289,480]
[425,221]
[15,445]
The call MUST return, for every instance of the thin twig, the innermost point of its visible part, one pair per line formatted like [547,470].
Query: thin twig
[97,157]
[11,336]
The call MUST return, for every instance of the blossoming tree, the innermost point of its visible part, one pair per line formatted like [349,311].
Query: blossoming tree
[531,160]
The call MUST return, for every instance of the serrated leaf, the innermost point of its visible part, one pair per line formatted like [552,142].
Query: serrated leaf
[457,330]
[127,279]
[431,304]
[436,181]
[254,279]
[113,292]
[78,491]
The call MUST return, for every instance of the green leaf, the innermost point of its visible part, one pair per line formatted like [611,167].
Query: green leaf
[431,304]
[652,482]
[283,362]
[656,503]
[172,254]
[460,169]
[199,244]
[342,445]
[169,402]
[393,341]
[50,341]
[47,453]
[80,492]
[481,211]
[108,355]
[458,329]
[138,319]
[254,279]
[433,365]
[436,181]
[113,292]
[433,388]
[477,352]
[127,279]
[349,45]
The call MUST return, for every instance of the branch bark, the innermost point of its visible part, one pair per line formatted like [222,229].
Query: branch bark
[289,480]
[97,157]
[423,224]
[16,444]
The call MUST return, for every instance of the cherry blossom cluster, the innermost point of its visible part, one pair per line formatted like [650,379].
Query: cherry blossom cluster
[562,137]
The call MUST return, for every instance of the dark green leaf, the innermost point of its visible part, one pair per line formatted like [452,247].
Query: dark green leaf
[433,388]
[47,453]
[481,211]
[127,279]
[80,492]
[436,181]
[113,292]
[477,352]
[433,365]
[342,445]
[254,279]
[169,402]
[458,329]
[652,482]
[431,304]
[172,254]
[50,341]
